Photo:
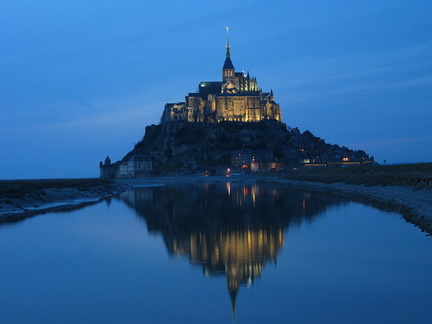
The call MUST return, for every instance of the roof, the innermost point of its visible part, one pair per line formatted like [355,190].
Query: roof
[210,83]
[210,87]
[240,94]
[228,63]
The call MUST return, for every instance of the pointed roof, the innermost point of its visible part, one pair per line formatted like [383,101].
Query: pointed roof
[233,284]
[107,160]
[233,297]
[228,63]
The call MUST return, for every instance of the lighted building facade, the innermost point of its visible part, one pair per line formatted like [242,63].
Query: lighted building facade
[236,98]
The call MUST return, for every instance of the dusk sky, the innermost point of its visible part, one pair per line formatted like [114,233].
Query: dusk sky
[80,80]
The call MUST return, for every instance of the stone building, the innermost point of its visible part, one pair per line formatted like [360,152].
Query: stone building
[137,166]
[236,98]
[107,169]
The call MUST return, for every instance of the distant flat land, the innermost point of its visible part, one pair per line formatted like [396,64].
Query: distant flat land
[19,188]
[405,175]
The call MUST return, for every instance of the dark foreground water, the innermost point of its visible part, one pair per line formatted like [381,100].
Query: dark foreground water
[216,253]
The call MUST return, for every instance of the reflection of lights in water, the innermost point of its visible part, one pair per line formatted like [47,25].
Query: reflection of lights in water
[237,249]
[245,191]
[254,194]
[249,282]
[306,196]
[240,199]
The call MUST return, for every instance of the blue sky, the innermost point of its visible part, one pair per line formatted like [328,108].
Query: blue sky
[80,80]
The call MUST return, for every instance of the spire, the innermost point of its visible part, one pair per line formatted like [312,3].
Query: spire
[233,297]
[228,63]
[227,43]
[233,284]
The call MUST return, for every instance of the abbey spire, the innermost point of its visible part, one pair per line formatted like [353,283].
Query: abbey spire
[228,54]
[228,67]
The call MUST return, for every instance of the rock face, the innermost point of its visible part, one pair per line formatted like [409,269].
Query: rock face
[189,148]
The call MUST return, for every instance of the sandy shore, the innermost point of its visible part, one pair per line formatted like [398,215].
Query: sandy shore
[414,204]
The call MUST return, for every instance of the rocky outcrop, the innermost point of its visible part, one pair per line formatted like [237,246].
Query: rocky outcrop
[186,147]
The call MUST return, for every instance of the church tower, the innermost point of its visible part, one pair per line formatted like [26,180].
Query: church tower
[228,71]
[236,97]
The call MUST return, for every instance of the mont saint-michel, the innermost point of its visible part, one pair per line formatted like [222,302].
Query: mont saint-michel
[230,125]
[236,98]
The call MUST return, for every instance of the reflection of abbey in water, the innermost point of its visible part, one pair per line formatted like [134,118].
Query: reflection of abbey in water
[232,230]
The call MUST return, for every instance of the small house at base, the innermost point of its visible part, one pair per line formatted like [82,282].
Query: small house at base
[138,166]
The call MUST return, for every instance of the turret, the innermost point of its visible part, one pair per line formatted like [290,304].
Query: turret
[107,161]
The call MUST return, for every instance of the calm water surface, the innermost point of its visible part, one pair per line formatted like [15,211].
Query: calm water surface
[216,253]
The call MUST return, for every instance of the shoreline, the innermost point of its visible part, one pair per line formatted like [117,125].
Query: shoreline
[21,199]
[414,204]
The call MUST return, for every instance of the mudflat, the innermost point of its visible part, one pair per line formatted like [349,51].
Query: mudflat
[22,198]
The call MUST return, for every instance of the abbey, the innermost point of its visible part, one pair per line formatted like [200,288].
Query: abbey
[236,98]
[226,125]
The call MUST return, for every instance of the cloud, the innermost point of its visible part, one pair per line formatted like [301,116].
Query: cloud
[411,83]
[363,71]
[115,119]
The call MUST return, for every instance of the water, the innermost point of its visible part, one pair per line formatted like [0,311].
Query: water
[216,253]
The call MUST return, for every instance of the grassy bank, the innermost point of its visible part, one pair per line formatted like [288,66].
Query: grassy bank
[406,175]
[20,188]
